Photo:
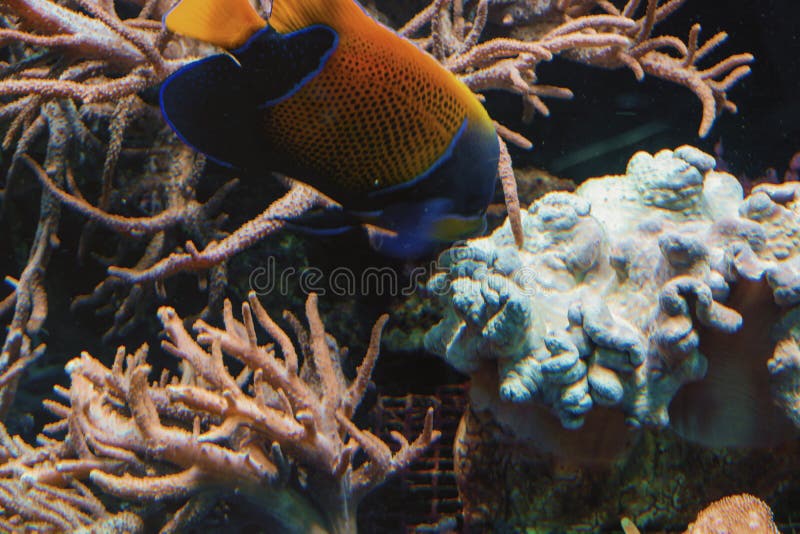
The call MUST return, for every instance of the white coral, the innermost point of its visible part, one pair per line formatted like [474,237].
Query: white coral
[616,284]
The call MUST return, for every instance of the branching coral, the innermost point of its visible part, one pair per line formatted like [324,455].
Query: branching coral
[109,58]
[662,292]
[279,432]
[74,78]
[32,83]
[28,299]
[104,60]
[593,32]
[30,502]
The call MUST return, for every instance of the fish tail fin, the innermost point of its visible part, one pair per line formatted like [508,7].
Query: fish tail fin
[228,24]
[292,15]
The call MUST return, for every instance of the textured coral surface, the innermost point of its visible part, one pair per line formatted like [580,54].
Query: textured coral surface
[625,292]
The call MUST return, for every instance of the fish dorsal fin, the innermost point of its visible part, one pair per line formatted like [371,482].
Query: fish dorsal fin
[225,23]
[292,15]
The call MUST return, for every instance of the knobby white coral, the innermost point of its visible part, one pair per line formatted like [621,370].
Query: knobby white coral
[663,293]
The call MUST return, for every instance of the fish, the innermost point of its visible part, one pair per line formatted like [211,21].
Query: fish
[323,93]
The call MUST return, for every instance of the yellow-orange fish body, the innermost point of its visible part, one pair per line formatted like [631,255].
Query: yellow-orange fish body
[332,98]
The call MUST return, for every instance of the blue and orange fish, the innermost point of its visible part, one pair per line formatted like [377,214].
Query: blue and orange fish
[328,96]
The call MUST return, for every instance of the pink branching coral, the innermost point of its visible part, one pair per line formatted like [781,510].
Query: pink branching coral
[104,63]
[594,32]
[279,432]
[30,502]
[85,106]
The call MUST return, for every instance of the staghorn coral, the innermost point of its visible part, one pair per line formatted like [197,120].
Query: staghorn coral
[58,504]
[661,294]
[73,81]
[108,155]
[279,431]
[593,32]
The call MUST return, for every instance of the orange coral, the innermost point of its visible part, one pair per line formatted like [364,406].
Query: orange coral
[736,513]
[729,515]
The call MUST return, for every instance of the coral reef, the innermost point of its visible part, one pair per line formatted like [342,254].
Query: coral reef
[663,294]
[547,22]
[29,504]
[277,431]
[79,123]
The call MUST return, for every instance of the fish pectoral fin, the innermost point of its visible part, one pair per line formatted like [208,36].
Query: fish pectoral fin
[419,228]
[325,222]
[453,227]
[228,24]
